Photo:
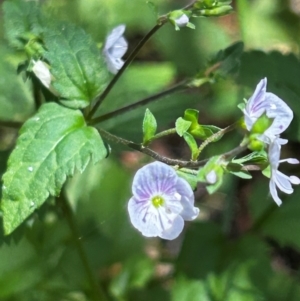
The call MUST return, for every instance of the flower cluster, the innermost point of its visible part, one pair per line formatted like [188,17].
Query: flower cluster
[161,201]
[114,48]
[280,115]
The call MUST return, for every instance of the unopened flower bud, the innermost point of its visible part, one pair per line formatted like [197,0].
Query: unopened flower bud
[211,177]
[42,72]
[215,12]
[180,18]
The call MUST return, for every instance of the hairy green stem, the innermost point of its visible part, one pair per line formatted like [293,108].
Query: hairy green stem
[178,87]
[126,64]
[158,157]
[216,136]
[67,210]
[160,135]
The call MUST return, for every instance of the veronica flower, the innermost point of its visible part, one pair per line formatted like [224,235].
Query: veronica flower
[283,182]
[114,48]
[42,72]
[161,201]
[275,108]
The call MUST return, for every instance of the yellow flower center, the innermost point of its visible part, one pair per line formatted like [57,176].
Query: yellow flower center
[157,201]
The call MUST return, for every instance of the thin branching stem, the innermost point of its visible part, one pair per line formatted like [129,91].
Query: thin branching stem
[158,157]
[162,134]
[126,64]
[216,136]
[176,88]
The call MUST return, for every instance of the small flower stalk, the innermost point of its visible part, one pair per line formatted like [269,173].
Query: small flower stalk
[161,202]
[114,49]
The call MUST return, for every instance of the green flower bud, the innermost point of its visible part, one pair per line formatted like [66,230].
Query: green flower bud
[200,4]
[255,144]
[214,12]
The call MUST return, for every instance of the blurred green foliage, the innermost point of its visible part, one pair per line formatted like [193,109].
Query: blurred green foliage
[243,247]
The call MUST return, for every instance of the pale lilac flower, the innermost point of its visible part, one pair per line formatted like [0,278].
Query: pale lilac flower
[275,108]
[161,201]
[42,72]
[182,21]
[114,48]
[283,182]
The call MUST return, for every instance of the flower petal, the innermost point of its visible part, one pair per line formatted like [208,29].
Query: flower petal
[114,35]
[283,182]
[281,113]
[189,212]
[113,64]
[256,104]
[153,179]
[290,160]
[274,193]
[182,21]
[274,154]
[294,180]
[175,230]
[114,48]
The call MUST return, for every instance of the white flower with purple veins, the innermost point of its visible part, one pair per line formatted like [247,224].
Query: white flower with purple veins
[114,48]
[275,108]
[283,182]
[161,201]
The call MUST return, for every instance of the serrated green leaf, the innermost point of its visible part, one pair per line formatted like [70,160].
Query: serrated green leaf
[182,126]
[149,126]
[51,146]
[79,71]
[21,19]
